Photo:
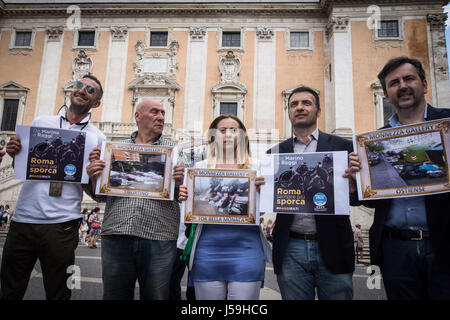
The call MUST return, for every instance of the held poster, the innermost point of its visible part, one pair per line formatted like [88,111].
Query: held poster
[189,153]
[404,161]
[137,170]
[53,154]
[220,196]
[307,183]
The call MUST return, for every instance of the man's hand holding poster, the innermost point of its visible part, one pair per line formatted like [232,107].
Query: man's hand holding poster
[305,183]
[52,154]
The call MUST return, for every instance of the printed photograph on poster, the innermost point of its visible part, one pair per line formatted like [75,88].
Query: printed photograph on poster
[192,152]
[133,170]
[404,161]
[220,196]
[53,154]
[307,183]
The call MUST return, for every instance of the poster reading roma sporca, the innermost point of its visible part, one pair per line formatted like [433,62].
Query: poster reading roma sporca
[135,170]
[53,154]
[404,161]
[308,183]
[220,196]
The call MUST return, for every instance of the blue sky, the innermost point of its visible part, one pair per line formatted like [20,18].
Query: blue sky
[447,32]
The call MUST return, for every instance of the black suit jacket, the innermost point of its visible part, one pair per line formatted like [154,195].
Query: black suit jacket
[335,235]
[438,216]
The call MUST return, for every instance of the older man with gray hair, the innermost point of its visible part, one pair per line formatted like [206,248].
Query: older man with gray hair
[139,235]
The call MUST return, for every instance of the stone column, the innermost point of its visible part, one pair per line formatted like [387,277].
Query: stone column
[265,72]
[438,59]
[263,135]
[48,81]
[194,102]
[340,119]
[115,75]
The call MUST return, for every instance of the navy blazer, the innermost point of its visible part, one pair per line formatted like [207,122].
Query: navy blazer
[438,216]
[335,235]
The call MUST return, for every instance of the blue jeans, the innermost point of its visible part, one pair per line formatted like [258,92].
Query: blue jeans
[126,259]
[303,271]
[410,271]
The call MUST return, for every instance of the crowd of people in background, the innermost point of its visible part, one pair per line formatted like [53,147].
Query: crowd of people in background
[90,227]
[6,214]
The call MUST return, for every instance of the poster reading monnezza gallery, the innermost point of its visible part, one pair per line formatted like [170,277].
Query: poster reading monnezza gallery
[404,161]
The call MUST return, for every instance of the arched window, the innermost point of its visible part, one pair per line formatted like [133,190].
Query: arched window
[229,98]
[383,109]
[13,98]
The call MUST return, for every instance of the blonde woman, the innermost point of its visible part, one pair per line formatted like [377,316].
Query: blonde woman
[227,261]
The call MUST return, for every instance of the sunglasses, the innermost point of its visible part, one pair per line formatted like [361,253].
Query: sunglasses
[79,85]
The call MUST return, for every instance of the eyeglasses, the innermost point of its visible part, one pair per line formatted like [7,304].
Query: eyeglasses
[80,85]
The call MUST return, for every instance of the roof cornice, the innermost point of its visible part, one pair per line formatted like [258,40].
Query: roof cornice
[127,9]
[172,9]
[331,3]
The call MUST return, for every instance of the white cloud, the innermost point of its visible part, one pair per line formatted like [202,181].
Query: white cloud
[447,9]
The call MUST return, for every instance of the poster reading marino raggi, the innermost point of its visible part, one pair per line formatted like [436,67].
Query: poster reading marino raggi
[53,154]
[308,183]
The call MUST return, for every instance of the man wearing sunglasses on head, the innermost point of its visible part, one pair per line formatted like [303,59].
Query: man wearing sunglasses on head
[47,216]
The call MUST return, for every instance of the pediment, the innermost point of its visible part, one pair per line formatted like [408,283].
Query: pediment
[154,80]
[13,86]
[289,90]
[68,86]
[376,85]
[229,87]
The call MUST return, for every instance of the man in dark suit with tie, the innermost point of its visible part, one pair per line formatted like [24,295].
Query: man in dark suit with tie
[410,237]
[312,251]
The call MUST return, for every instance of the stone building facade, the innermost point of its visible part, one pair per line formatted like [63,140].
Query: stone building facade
[202,58]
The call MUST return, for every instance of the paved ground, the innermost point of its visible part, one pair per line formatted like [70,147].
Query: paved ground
[385,176]
[89,262]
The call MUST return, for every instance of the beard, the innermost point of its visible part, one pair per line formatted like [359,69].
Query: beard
[79,109]
[406,105]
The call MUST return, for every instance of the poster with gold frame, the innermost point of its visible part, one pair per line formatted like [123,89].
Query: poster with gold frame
[404,161]
[137,170]
[220,196]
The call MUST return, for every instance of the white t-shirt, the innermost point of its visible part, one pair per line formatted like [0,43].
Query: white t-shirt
[34,204]
[182,240]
